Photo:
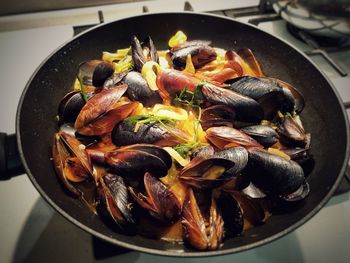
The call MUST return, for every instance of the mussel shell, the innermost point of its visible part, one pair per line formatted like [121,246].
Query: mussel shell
[149,133]
[217,115]
[95,72]
[274,174]
[300,194]
[265,135]
[137,54]
[160,202]
[70,106]
[101,73]
[247,109]
[114,203]
[238,155]
[138,89]
[203,152]
[231,213]
[152,50]
[192,173]
[154,150]
[223,136]
[291,133]
[267,92]
[200,54]
[114,80]
[135,163]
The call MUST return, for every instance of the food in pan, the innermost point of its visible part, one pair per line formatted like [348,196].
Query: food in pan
[192,144]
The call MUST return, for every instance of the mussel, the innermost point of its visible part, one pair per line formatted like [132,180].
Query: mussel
[138,89]
[274,174]
[124,133]
[172,82]
[291,133]
[223,136]
[246,109]
[136,160]
[263,134]
[70,106]
[159,201]
[114,204]
[101,113]
[201,54]
[207,172]
[203,230]
[95,72]
[139,56]
[71,161]
[272,94]
[217,115]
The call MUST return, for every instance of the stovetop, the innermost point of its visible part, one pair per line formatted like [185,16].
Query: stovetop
[32,232]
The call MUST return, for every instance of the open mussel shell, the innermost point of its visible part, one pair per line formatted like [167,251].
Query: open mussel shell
[273,174]
[135,163]
[217,115]
[206,173]
[114,204]
[201,54]
[95,72]
[231,213]
[138,55]
[138,89]
[114,80]
[238,155]
[291,133]
[263,134]
[98,105]
[203,230]
[270,93]
[159,201]
[222,137]
[246,108]
[150,133]
[70,106]
[154,150]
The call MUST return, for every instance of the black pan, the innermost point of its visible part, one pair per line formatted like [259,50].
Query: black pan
[324,116]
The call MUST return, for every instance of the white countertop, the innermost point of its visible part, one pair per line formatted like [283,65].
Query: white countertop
[31,231]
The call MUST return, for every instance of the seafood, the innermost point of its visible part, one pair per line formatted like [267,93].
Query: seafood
[201,53]
[193,144]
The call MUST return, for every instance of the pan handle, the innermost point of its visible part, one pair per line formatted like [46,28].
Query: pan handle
[10,162]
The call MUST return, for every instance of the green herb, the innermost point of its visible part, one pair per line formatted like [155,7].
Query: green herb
[83,91]
[191,99]
[147,118]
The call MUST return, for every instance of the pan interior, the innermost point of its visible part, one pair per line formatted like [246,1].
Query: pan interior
[323,116]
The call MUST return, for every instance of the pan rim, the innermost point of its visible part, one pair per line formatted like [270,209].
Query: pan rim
[182,254]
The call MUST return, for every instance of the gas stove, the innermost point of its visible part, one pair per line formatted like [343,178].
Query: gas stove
[32,232]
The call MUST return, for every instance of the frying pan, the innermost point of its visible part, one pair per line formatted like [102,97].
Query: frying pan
[324,116]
